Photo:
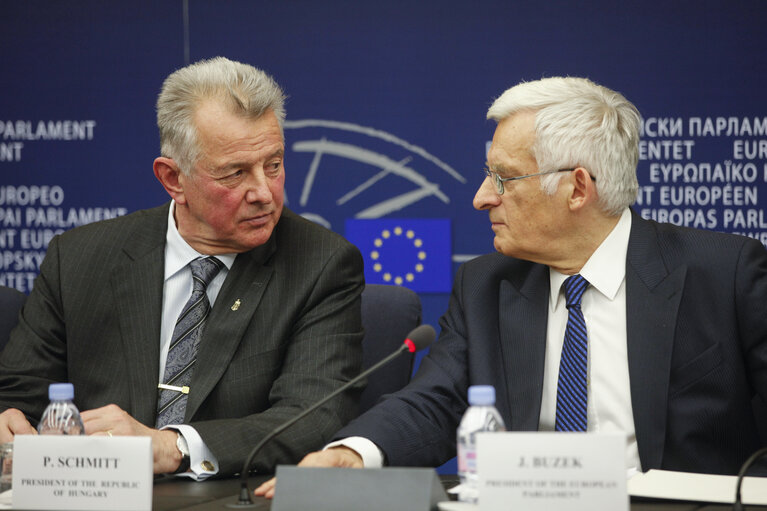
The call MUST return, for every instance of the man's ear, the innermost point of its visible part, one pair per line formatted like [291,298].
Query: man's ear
[584,189]
[168,174]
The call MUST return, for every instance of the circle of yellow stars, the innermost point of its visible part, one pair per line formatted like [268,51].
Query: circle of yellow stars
[417,243]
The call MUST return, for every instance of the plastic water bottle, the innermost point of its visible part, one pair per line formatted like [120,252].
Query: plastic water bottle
[480,416]
[61,417]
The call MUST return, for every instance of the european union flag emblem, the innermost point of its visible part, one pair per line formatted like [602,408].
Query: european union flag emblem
[411,252]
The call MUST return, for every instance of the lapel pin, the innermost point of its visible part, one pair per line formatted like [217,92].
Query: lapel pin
[236,305]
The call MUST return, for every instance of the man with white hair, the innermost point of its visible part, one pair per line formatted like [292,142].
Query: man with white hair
[588,318]
[206,322]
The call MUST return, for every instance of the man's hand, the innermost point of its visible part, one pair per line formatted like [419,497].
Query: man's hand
[114,421]
[13,422]
[339,457]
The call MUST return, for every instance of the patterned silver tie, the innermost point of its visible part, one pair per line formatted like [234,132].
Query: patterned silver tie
[171,404]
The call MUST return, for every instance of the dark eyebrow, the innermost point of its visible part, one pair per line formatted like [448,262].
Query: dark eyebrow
[278,153]
[239,164]
[232,166]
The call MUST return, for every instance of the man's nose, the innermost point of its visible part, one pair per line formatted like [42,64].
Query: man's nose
[486,196]
[258,190]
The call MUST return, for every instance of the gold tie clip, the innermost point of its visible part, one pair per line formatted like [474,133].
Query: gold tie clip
[183,390]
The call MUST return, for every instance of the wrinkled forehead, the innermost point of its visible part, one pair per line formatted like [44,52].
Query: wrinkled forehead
[512,141]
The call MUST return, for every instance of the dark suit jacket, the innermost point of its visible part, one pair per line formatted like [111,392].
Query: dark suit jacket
[93,319]
[11,301]
[697,352]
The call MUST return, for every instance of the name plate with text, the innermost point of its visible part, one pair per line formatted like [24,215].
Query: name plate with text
[543,471]
[82,472]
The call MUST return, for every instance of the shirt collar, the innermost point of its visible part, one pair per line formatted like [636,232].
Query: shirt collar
[178,253]
[606,268]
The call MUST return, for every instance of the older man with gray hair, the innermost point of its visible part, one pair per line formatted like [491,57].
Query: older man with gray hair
[588,318]
[208,321]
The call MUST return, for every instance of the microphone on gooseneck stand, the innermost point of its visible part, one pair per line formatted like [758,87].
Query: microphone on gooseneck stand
[417,339]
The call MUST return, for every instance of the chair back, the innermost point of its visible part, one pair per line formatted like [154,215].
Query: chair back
[11,301]
[389,313]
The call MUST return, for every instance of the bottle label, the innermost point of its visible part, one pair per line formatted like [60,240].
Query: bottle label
[467,461]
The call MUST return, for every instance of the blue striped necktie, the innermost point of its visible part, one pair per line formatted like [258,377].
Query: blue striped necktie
[572,388]
[171,404]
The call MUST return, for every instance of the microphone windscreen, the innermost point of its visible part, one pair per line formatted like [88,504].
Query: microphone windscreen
[420,337]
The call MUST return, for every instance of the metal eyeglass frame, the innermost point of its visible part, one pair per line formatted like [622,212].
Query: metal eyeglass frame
[498,180]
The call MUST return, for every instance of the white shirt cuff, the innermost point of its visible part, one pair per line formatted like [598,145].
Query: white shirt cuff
[202,463]
[372,456]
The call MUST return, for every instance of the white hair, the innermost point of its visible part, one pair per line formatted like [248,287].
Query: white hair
[243,89]
[580,124]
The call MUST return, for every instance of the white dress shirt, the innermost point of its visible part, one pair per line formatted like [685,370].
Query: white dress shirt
[604,309]
[176,292]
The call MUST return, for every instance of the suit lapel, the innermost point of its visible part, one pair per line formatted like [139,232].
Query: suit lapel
[653,293]
[231,314]
[137,284]
[523,317]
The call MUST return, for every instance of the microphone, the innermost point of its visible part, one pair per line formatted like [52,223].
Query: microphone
[416,340]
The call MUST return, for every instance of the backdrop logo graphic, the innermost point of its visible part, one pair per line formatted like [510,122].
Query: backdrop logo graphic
[354,171]
[410,252]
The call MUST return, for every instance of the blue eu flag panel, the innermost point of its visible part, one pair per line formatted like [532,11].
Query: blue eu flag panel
[410,252]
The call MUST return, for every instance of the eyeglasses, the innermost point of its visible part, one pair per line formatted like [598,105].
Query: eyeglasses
[498,180]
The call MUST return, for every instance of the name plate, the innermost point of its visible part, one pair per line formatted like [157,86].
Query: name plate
[544,471]
[82,472]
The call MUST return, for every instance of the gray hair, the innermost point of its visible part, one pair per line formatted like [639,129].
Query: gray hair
[580,123]
[243,89]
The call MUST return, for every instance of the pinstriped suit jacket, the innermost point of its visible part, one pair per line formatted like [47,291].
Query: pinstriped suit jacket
[93,319]
[697,351]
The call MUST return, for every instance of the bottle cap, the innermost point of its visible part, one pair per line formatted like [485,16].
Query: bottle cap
[61,392]
[481,395]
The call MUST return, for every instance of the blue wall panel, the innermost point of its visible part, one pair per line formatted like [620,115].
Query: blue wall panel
[402,82]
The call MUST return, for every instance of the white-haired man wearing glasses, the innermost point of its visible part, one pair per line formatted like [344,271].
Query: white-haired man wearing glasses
[588,318]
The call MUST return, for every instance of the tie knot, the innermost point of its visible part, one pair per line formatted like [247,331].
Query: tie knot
[574,289]
[203,270]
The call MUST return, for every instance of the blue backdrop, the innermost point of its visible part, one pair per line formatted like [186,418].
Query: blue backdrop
[386,109]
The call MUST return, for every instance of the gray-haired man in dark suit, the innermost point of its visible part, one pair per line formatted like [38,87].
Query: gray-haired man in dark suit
[283,327]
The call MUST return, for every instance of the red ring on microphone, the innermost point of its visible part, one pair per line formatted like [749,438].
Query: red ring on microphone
[410,345]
